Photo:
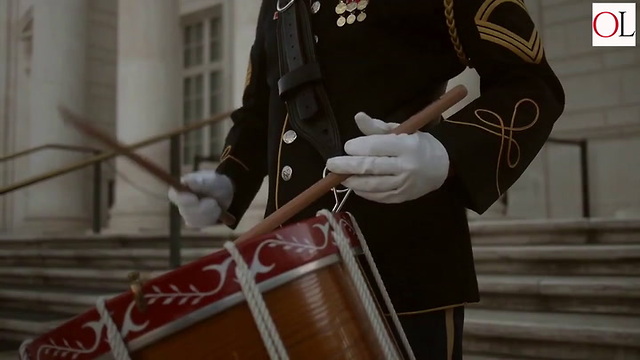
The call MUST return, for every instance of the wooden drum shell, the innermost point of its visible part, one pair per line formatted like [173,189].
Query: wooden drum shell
[318,317]
[198,311]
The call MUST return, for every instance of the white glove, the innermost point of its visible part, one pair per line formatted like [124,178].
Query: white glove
[206,211]
[390,168]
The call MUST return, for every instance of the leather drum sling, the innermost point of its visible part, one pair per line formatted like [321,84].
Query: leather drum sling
[300,85]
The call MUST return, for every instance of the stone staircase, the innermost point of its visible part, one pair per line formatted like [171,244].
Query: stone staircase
[556,290]
[550,289]
[44,281]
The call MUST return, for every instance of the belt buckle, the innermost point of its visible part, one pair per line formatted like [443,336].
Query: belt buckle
[283,8]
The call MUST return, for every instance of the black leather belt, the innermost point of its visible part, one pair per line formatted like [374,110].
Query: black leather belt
[300,85]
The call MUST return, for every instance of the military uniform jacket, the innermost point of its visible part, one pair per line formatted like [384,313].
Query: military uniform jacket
[391,65]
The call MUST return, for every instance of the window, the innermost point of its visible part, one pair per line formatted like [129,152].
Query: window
[204,87]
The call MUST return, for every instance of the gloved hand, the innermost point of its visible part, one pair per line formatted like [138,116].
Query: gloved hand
[206,211]
[390,168]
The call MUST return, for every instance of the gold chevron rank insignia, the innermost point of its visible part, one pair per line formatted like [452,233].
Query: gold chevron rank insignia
[491,24]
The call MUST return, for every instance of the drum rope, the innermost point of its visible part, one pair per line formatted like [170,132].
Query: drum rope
[266,326]
[361,287]
[114,338]
[22,351]
[383,289]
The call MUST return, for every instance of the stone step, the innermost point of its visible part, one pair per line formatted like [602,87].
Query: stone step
[560,336]
[528,259]
[48,299]
[214,237]
[484,232]
[518,292]
[475,356]
[621,259]
[555,231]
[488,333]
[18,325]
[117,258]
[35,277]
[586,294]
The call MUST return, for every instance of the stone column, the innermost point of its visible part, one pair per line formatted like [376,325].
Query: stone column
[148,103]
[57,77]
[5,148]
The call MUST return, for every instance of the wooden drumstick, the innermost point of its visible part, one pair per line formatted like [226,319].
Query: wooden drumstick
[85,127]
[320,188]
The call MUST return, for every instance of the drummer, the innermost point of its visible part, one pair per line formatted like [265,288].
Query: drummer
[377,62]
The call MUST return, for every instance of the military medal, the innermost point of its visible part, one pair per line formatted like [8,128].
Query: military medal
[362,4]
[355,8]
[315,7]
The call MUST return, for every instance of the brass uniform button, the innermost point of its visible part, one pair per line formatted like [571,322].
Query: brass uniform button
[315,7]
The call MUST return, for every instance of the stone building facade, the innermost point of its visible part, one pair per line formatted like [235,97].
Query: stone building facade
[139,68]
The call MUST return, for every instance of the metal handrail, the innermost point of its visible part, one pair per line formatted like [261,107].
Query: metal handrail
[106,155]
[566,141]
[583,147]
[96,223]
[36,149]
[175,223]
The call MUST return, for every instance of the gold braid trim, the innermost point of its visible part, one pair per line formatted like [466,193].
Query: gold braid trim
[226,154]
[453,32]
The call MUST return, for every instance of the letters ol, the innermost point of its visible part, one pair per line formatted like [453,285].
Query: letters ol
[619,24]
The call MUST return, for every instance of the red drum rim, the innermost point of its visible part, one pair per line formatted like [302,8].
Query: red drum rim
[276,258]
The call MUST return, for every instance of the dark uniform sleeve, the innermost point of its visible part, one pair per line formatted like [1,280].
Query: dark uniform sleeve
[244,159]
[492,140]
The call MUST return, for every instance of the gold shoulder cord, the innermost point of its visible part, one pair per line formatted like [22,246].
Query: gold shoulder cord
[453,32]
